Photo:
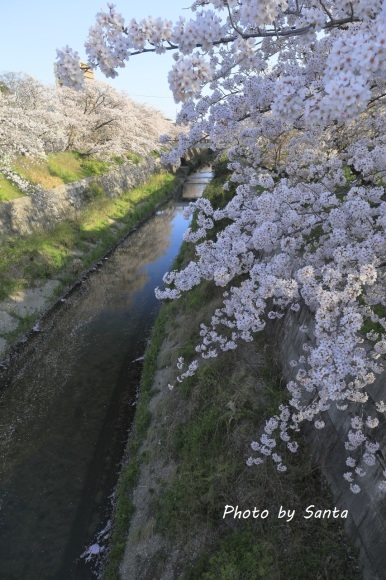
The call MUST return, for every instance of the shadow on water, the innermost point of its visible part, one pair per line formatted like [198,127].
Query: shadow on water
[66,404]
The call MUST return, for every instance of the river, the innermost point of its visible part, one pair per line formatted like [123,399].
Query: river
[67,402]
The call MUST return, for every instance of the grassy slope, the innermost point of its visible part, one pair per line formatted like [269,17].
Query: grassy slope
[57,169]
[212,418]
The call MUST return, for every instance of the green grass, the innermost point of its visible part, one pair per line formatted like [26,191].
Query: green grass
[59,168]
[8,190]
[240,556]
[66,166]
[50,172]
[133,157]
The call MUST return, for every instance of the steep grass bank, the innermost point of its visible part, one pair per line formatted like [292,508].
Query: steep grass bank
[58,169]
[59,256]
[186,461]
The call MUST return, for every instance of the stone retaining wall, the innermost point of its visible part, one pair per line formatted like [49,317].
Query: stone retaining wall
[366,525]
[44,209]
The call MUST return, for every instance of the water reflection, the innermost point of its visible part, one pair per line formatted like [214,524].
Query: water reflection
[195,184]
[65,402]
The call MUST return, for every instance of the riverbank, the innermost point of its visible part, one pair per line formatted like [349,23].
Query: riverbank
[186,461]
[38,269]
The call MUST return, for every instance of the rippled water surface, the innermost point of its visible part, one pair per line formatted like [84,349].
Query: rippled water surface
[65,407]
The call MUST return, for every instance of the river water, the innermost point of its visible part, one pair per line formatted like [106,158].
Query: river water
[66,404]
[196,182]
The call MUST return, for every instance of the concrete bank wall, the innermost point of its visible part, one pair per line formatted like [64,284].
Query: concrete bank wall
[44,209]
[366,525]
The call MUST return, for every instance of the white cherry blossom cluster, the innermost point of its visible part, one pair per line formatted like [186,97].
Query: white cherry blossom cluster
[187,76]
[67,70]
[254,13]
[295,95]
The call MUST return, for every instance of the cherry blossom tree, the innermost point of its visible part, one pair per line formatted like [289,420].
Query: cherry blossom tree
[30,124]
[103,121]
[295,93]
[29,121]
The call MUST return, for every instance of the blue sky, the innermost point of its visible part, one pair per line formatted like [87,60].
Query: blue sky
[32,30]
